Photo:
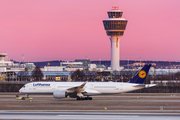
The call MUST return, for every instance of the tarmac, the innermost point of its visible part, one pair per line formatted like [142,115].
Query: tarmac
[88,116]
[119,106]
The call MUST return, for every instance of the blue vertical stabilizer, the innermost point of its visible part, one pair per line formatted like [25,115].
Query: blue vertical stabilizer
[140,77]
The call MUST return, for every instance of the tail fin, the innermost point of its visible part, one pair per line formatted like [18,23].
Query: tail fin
[140,77]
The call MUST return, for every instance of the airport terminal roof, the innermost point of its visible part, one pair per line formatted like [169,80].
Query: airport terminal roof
[48,73]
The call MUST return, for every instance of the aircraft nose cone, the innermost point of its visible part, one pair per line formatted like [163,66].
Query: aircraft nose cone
[20,90]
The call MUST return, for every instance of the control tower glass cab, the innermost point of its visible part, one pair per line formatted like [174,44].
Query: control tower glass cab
[115,26]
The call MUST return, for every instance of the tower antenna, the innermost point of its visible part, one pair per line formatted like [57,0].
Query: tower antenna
[115,7]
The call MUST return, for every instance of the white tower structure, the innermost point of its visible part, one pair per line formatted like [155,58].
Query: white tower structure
[115,26]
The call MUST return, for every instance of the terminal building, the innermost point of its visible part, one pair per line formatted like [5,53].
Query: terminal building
[22,72]
[8,66]
[10,71]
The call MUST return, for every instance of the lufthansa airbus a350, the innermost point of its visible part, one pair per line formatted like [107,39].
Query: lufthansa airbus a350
[83,90]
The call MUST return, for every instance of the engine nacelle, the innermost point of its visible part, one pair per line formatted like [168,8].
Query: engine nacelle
[59,94]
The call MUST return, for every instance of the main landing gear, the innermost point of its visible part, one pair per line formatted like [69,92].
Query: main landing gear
[84,98]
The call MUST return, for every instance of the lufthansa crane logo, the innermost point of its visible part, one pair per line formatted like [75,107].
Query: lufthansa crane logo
[142,74]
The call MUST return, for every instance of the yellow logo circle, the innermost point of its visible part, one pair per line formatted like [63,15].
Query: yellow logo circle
[142,74]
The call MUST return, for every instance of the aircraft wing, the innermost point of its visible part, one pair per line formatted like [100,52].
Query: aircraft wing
[77,91]
[80,91]
[90,91]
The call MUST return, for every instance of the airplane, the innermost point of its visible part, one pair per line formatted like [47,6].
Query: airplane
[83,90]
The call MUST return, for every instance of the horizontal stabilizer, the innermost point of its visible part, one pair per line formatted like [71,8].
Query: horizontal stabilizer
[150,85]
[145,85]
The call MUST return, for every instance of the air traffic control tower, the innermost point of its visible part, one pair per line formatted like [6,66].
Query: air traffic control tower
[115,26]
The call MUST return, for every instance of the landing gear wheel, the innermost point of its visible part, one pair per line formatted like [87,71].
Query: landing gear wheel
[78,98]
[85,98]
[90,98]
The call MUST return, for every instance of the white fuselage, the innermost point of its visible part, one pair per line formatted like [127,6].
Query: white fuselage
[92,88]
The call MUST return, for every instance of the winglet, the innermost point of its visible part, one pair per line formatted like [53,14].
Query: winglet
[140,77]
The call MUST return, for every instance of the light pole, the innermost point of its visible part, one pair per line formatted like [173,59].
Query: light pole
[128,64]
[23,60]
[47,69]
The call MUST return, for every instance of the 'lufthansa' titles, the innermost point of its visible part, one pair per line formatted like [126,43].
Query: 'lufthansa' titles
[40,84]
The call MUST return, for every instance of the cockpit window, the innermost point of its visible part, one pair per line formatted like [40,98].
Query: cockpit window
[23,86]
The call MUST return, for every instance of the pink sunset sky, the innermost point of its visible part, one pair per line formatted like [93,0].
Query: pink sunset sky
[72,29]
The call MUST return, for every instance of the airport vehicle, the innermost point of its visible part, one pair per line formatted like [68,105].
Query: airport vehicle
[23,98]
[83,90]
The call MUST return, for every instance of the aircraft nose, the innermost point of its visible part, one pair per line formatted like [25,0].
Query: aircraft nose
[20,90]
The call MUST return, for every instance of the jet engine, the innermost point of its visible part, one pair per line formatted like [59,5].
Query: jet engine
[60,94]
